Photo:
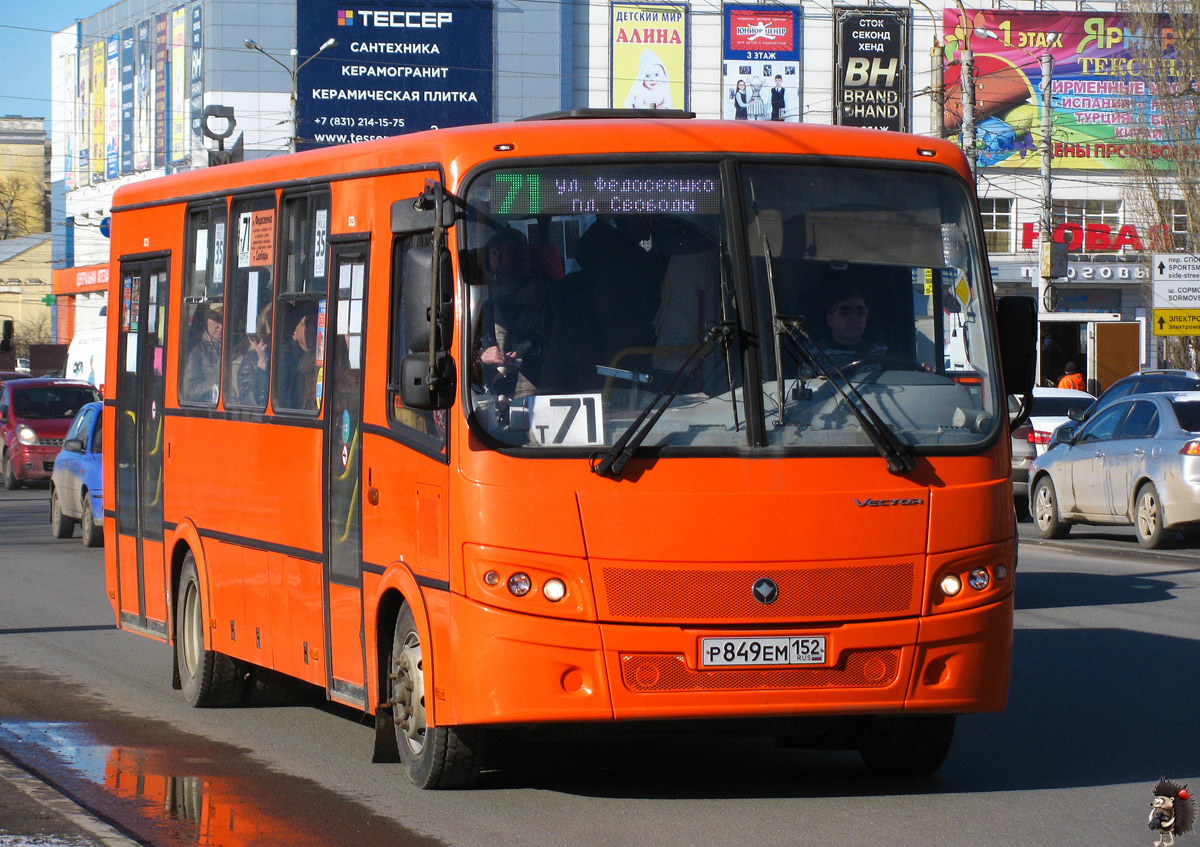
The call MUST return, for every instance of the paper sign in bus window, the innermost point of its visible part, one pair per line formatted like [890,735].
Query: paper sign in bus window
[567,420]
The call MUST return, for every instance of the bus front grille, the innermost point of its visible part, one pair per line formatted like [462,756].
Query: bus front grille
[828,592]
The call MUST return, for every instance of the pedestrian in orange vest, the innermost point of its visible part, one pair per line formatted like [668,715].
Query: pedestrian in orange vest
[1072,378]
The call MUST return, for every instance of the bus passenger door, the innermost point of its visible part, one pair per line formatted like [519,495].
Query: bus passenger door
[139,396]
[343,472]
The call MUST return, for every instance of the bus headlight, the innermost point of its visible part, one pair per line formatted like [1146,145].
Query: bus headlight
[979,579]
[554,590]
[951,585]
[519,584]
[26,435]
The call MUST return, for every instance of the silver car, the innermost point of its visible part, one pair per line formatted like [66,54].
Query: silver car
[1135,462]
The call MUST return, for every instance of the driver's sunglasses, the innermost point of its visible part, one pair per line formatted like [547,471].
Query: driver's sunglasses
[847,311]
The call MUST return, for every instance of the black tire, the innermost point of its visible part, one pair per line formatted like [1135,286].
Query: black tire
[208,678]
[1044,505]
[434,756]
[60,525]
[1148,517]
[10,476]
[906,746]
[93,533]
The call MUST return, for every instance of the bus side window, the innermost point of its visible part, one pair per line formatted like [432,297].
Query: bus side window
[203,305]
[249,302]
[427,429]
[300,354]
[300,307]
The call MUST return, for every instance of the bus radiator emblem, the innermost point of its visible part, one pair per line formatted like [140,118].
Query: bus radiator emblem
[765,590]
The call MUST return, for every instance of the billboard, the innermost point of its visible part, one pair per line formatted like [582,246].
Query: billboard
[760,68]
[1099,104]
[649,56]
[128,108]
[396,67]
[871,68]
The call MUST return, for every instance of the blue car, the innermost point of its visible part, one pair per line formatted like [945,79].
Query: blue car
[76,492]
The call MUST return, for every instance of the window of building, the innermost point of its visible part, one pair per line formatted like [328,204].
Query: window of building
[1087,213]
[996,213]
[203,305]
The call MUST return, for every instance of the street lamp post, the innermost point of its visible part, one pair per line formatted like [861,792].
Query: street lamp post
[293,73]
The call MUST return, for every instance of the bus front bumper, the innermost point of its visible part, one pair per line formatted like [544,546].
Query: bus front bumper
[510,668]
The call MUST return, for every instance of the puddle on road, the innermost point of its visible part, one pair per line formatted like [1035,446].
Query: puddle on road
[168,788]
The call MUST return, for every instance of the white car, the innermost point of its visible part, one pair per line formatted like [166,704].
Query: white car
[1032,438]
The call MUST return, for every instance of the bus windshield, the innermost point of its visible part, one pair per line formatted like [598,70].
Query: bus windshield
[849,298]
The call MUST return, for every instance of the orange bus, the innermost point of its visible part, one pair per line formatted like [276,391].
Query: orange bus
[594,417]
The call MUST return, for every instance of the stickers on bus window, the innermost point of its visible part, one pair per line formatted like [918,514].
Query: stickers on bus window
[566,420]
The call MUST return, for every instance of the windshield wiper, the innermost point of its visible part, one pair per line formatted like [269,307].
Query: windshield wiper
[891,448]
[612,461]
[883,437]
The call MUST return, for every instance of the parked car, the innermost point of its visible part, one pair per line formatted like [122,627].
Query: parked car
[35,415]
[76,484]
[9,376]
[1137,462]
[1051,409]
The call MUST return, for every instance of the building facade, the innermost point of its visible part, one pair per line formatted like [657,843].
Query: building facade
[133,84]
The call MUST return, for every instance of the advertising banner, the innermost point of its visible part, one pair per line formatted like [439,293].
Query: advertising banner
[162,61]
[649,56]
[178,100]
[871,70]
[397,67]
[112,108]
[71,135]
[98,105]
[127,76]
[760,68]
[143,96]
[1100,99]
[196,75]
[83,119]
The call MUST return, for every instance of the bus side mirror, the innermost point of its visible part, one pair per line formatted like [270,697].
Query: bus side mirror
[419,313]
[1016,323]
[421,389]
[6,336]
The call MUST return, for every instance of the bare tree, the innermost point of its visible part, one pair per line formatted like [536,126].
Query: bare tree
[20,205]
[34,329]
[1164,183]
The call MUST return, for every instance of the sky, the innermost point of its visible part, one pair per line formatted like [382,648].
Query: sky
[25,30]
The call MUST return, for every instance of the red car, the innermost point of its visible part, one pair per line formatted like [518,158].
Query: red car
[35,415]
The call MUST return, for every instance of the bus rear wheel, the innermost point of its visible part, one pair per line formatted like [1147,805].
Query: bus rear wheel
[434,756]
[910,745]
[208,678]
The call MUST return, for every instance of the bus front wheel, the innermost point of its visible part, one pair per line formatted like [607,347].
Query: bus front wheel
[208,678]
[434,756]
[909,745]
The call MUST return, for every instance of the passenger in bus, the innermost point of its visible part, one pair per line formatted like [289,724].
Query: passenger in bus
[847,340]
[516,317]
[202,373]
[252,373]
[304,357]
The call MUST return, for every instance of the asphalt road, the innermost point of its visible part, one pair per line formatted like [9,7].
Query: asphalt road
[1103,702]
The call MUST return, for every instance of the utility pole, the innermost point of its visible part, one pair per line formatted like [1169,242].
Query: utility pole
[1052,256]
[966,90]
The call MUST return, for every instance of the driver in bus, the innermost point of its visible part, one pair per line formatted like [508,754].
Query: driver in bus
[846,340]
[515,317]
